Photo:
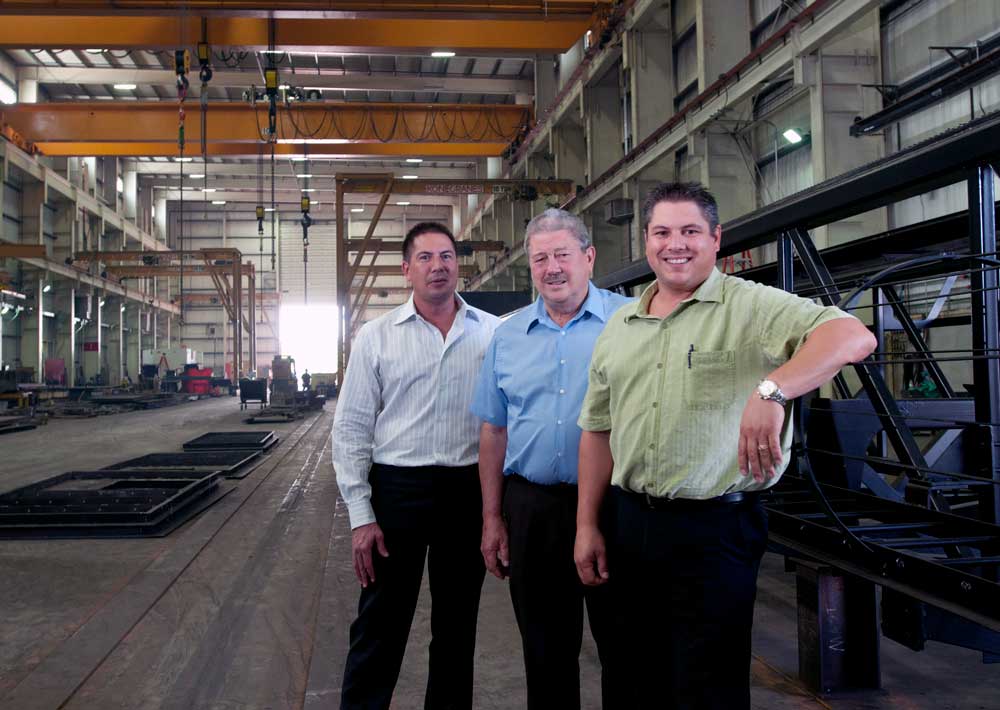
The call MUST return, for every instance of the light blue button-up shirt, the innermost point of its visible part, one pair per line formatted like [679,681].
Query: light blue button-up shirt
[533,380]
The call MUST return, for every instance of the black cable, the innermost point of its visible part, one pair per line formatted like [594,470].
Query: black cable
[889,463]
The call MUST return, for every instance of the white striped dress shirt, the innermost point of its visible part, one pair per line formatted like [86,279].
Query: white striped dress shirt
[405,398]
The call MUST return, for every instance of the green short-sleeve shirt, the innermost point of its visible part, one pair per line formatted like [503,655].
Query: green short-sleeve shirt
[672,390]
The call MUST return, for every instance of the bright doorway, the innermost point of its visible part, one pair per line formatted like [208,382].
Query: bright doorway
[309,335]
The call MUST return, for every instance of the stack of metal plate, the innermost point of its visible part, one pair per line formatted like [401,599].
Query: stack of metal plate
[229,440]
[231,463]
[121,503]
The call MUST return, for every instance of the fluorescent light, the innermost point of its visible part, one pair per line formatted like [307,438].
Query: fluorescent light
[48,314]
[283,87]
[403,204]
[125,87]
[96,51]
[100,303]
[123,309]
[308,189]
[304,175]
[411,177]
[218,202]
[269,209]
[47,288]
[792,136]
[152,211]
[443,54]
[183,160]
[357,209]
[414,160]
[208,189]
[119,184]
[8,94]
[196,175]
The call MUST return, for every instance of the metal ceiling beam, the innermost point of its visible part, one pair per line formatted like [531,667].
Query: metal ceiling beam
[284,168]
[509,37]
[327,79]
[248,150]
[388,246]
[316,8]
[120,125]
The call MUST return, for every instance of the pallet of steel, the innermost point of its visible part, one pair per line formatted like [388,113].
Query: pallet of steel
[231,463]
[125,503]
[274,415]
[945,560]
[226,440]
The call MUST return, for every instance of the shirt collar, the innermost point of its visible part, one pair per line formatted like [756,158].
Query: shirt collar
[710,290]
[593,304]
[408,310]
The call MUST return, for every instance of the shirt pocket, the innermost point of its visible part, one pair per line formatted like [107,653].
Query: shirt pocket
[710,380]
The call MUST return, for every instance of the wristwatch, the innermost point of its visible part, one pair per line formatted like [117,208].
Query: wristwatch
[769,390]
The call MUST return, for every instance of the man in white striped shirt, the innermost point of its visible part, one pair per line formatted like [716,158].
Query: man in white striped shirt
[405,449]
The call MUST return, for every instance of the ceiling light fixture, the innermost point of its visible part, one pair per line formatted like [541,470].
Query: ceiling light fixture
[183,160]
[414,160]
[443,54]
[196,176]
[218,202]
[125,87]
[304,175]
[792,136]
[403,204]
[411,177]
[357,209]
[208,189]
[308,189]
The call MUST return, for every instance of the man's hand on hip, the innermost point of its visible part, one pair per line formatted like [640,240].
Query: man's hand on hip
[590,556]
[760,438]
[494,546]
[364,539]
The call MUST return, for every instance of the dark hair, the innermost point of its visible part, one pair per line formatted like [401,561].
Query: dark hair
[681,192]
[425,228]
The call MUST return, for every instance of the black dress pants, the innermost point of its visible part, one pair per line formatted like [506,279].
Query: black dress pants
[548,596]
[686,577]
[435,514]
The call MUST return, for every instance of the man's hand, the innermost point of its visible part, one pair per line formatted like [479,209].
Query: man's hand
[363,539]
[590,556]
[494,546]
[760,443]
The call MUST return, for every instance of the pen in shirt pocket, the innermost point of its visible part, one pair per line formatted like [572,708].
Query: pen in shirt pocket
[689,355]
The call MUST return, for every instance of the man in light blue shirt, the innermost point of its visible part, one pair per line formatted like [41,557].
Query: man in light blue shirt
[529,394]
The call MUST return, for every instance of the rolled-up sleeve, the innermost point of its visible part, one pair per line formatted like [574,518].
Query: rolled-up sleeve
[353,433]
[784,321]
[595,414]
[489,402]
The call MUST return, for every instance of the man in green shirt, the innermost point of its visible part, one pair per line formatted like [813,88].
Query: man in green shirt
[686,418]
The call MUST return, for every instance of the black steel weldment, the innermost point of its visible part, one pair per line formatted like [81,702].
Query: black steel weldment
[124,503]
[216,440]
[226,461]
[906,546]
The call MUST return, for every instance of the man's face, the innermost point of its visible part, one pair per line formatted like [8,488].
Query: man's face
[432,269]
[560,269]
[680,247]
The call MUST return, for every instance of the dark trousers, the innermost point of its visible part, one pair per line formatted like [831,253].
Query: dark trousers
[686,577]
[432,513]
[549,598]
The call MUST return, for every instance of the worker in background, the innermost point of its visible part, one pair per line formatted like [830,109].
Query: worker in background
[405,450]
[529,394]
[306,379]
[686,416]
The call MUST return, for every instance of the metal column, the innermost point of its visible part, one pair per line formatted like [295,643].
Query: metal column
[985,323]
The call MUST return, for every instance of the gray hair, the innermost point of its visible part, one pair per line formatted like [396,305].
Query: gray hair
[554,220]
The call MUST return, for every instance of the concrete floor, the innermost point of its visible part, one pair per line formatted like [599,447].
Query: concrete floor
[248,605]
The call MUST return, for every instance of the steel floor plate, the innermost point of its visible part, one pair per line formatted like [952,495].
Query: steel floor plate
[226,461]
[261,440]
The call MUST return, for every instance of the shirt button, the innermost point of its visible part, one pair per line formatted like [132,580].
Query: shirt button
[654,405]
[559,422]
[563,332]
[562,391]
[651,446]
[562,362]
[659,366]
[559,453]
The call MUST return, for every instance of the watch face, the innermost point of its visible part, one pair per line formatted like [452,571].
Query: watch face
[767,388]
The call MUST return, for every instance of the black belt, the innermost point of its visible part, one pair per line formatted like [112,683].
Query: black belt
[563,489]
[653,503]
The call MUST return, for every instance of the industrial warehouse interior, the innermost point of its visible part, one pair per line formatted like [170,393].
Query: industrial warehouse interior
[204,205]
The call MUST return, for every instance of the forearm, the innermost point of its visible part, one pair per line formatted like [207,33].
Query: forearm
[594,475]
[492,449]
[830,347]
